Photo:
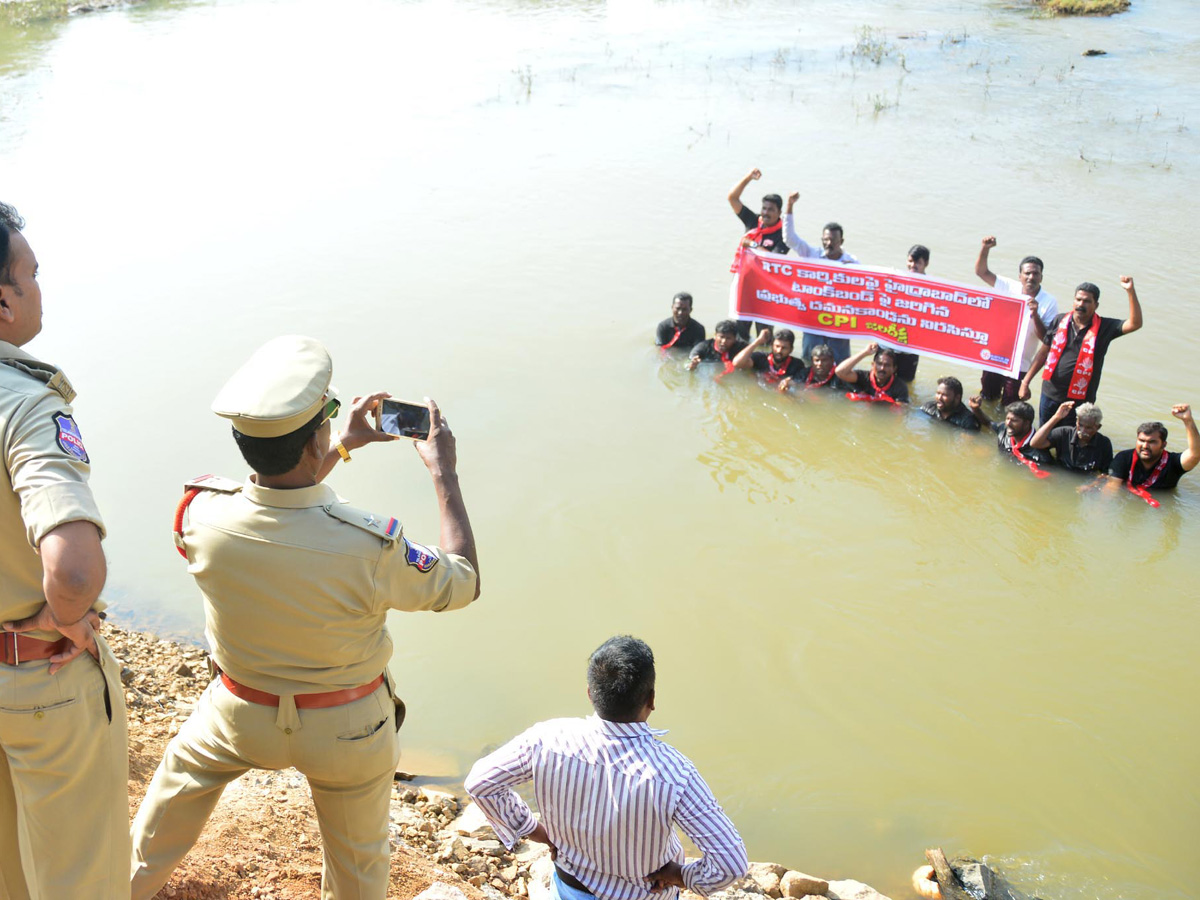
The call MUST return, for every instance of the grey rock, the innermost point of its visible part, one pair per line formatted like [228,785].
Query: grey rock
[848,889]
[983,882]
[472,823]
[439,890]
[766,876]
[539,876]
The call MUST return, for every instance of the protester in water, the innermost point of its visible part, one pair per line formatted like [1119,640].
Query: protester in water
[775,366]
[821,374]
[1074,347]
[880,384]
[906,363]
[722,347]
[1149,466]
[831,250]
[1043,307]
[1015,434]
[1079,447]
[681,331]
[947,406]
[764,231]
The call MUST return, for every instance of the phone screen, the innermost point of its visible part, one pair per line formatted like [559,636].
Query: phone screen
[409,420]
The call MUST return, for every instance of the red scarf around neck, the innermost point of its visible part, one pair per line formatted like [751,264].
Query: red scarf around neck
[1015,445]
[1142,490]
[881,395]
[1085,363]
[753,238]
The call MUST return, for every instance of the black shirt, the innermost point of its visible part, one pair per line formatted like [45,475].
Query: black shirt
[1095,456]
[693,333]
[1168,479]
[704,350]
[962,417]
[1056,388]
[1004,443]
[898,390]
[772,243]
[793,368]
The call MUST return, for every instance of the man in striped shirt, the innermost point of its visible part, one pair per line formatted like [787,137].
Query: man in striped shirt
[610,794]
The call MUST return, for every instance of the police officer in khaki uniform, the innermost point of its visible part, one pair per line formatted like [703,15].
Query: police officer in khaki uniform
[64,766]
[296,586]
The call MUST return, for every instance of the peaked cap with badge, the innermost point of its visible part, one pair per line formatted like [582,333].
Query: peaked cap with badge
[296,585]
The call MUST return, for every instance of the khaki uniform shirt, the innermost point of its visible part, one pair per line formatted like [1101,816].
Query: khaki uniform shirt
[297,585]
[45,476]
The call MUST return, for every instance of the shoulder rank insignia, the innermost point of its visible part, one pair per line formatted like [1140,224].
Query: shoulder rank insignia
[68,436]
[419,556]
[386,527]
[214,483]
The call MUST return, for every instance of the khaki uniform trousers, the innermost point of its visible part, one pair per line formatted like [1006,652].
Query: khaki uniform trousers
[348,754]
[64,781]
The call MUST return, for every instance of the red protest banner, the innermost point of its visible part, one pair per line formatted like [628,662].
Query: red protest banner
[910,312]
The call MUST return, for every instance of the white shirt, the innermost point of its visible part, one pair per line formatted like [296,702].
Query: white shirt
[805,250]
[1047,312]
[610,794]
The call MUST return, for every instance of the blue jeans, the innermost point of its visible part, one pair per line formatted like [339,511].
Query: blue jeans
[839,346]
[560,891]
[1047,408]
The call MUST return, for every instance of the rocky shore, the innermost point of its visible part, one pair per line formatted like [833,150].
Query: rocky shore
[262,842]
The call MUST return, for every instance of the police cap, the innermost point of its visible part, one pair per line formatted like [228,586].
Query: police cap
[279,389]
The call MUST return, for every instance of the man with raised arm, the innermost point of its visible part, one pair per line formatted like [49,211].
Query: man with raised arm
[1014,435]
[830,250]
[297,586]
[611,794]
[764,231]
[681,331]
[1149,466]
[947,406]
[64,761]
[774,367]
[1079,447]
[880,384]
[1042,307]
[1074,347]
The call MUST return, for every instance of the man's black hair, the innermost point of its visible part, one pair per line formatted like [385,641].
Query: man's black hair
[682,295]
[725,326]
[774,198]
[834,226]
[1021,410]
[277,455]
[882,352]
[785,334]
[953,383]
[1091,289]
[621,678]
[1153,428]
[919,251]
[1032,259]
[10,221]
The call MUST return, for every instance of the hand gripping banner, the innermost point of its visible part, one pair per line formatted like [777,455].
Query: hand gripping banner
[913,313]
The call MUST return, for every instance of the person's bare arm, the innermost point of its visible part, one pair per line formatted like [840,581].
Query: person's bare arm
[845,369]
[1039,327]
[440,456]
[735,195]
[1039,360]
[981,263]
[1191,456]
[975,404]
[1134,322]
[744,359]
[359,432]
[1041,437]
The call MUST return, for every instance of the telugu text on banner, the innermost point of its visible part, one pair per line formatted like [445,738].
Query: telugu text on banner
[909,312]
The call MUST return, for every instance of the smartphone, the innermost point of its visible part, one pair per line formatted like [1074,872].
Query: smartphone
[403,419]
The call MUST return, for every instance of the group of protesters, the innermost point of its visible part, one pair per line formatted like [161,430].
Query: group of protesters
[1067,348]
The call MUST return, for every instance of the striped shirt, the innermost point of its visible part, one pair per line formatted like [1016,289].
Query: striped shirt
[610,795]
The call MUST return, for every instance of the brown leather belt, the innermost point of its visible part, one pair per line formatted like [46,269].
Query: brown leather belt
[571,881]
[303,701]
[17,648]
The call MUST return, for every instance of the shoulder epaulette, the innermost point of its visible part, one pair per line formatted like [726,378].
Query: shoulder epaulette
[387,528]
[214,483]
[47,374]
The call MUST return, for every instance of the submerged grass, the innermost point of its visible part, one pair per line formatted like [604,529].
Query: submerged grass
[23,12]
[1083,7]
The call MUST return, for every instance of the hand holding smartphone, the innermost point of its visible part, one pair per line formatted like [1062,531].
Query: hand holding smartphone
[403,419]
